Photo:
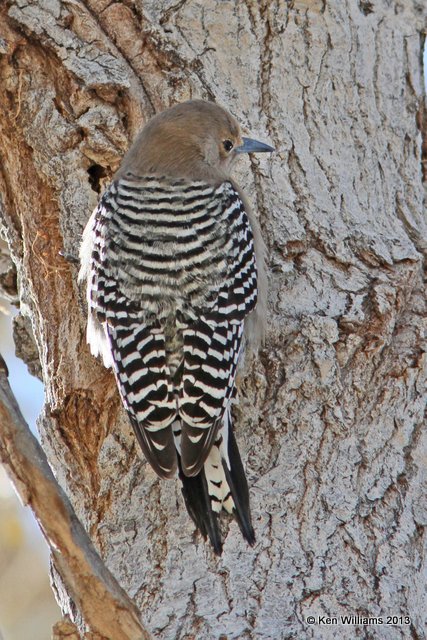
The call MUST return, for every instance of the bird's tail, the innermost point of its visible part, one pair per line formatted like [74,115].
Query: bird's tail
[221,484]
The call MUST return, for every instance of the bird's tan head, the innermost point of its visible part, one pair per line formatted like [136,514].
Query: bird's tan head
[195,139]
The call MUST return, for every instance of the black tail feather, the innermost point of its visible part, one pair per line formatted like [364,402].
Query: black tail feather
[238,484]
[198,503]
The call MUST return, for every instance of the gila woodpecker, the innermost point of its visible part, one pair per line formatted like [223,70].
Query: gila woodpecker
[173,258]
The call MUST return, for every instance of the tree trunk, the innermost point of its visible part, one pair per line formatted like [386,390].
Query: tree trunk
[330,416]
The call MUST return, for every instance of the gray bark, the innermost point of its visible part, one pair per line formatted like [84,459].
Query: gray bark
[331,412]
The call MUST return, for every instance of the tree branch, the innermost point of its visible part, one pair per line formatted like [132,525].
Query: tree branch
[105,607]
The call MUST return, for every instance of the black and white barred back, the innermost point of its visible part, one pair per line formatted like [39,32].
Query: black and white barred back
[171,276]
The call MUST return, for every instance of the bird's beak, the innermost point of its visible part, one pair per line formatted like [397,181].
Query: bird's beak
[253,146]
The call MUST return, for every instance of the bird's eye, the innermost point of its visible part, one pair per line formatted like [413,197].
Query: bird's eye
[228,145]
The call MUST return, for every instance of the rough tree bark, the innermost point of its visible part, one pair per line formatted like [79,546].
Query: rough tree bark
[330,414]
[104,605]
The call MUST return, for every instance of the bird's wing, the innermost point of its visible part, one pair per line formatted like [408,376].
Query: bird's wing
[213,342]
[137,346]
[143,378]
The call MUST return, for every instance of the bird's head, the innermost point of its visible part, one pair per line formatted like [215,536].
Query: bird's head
[195,139]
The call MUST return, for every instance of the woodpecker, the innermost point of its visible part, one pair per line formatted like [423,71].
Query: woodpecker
[172,258]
